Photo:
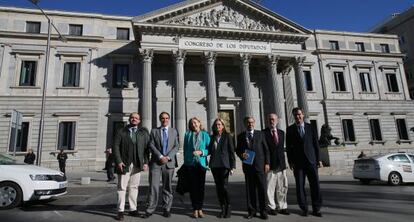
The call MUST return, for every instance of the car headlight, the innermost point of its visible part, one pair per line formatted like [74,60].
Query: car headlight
[41,177]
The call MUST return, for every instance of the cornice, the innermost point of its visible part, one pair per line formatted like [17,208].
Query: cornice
[24,35]
[356,53]
[209,32]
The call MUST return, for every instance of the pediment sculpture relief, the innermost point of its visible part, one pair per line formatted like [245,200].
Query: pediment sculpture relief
[225,17]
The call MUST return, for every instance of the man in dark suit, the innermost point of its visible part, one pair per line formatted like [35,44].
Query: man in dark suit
[303,155]
[131,158]
[251,141]
[276,177]
[163,146]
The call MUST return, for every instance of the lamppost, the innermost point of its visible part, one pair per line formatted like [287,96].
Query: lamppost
[42,112]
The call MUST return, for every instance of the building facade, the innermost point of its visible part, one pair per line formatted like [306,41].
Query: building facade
[204,58]
[401,24]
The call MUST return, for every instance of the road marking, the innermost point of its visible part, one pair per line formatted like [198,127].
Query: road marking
[59,214]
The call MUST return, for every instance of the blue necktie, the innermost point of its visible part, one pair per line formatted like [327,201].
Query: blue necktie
[164,141]
[301,131]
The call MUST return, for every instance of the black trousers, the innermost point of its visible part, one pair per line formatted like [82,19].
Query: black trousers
[255,183]
[110,172]
[221,179]
[311,172]
[197,175]
[62,167]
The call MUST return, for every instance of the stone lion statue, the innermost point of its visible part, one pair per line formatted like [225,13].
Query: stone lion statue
[326,136]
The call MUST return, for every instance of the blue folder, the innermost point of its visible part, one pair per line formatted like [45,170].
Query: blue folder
[251,154]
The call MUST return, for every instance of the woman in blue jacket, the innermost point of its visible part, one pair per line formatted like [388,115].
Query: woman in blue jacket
[196,142]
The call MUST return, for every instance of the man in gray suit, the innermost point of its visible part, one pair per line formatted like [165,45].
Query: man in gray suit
[163,146]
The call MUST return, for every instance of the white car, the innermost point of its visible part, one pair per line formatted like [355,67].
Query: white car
[394,168]
[20,182]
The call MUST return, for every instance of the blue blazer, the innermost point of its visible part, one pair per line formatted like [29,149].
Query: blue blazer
[189,159]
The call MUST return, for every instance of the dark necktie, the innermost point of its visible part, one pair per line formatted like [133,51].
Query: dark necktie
[250,138]
[275,136]
[164,141]
[134,135]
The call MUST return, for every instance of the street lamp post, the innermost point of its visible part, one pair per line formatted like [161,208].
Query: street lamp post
[42,112]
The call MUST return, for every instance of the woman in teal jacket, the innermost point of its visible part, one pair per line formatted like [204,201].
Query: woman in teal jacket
[196,142]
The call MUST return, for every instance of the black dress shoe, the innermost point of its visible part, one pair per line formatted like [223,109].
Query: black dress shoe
[272,212]
[134,213]
[120,216]
[317,213]
[264,216]
[146,215]
[250,216]
[304,213]
[166,214]
[284,212]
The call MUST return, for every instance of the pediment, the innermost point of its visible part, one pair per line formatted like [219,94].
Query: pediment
[243,15]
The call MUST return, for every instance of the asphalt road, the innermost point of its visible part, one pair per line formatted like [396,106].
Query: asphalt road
[344,200]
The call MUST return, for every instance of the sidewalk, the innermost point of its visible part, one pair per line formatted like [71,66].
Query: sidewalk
[98,178]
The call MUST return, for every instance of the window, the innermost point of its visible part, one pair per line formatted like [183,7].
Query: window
[28,73]
[21,140]
[33,27]
[365,79]
[360,46]
[412,158]
[402,129]
[117,125]
[71,74]
[385,48]
[348,129]
[375,128]
[392,82]
[120,76]
[308,80]
[303,46]
[122,33]
[399,158]
[401,40]
[339,81]
[75,30]
[334,45]
[66,138]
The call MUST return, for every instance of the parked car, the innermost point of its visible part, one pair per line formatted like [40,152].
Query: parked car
[20,182]
[394,168]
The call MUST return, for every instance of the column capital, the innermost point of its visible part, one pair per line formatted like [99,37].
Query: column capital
[146,54]
[179,56]
[245,58]
[273,59]
[299,60]
[209,57]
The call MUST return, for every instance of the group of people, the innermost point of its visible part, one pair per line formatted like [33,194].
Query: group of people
[262,153]
[30,158]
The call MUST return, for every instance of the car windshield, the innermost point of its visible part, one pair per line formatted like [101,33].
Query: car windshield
[412,158]
[9,160]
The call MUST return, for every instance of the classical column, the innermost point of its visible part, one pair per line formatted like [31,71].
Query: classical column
[146,99]
[300,85]
[276,97]
[245,84]
[212,110]
[180,112]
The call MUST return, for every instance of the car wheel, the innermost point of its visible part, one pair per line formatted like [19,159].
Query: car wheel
[10,195]
[365,181]
[394,179]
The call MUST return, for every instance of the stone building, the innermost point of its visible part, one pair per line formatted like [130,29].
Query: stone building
[204,58]
[402,24]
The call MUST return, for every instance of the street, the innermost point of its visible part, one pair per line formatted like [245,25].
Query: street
[344,199]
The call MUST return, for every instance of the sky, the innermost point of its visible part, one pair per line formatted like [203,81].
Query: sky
[339,15]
